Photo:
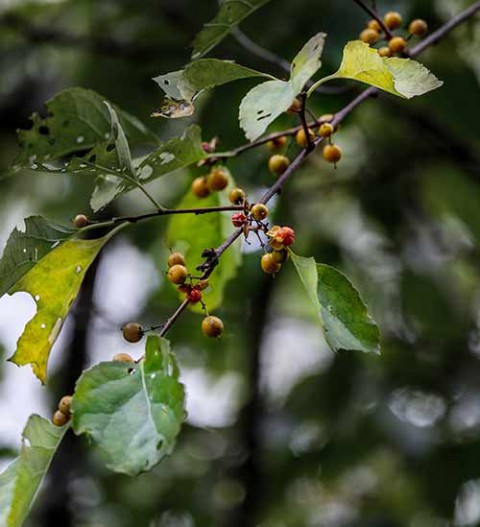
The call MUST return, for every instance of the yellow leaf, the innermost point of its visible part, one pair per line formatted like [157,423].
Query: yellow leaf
[54,284]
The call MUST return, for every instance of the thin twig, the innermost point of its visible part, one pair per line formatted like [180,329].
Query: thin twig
[303,119]
[374,14]
[173,318]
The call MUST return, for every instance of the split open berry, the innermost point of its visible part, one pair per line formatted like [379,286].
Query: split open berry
[238,219]
[122,357]
[375,25]
[177,274]
[301,137]
[176,258]
[59,419]
[65,405]
[418,27]
[217,179]
[385,52]
[397,45]
[194,295]
[200,187]
[295,107]
[332,153]
[393,20]
[326,130]
[132,332]
[286,235]
[277,143]
[277,164]
[259,211]
[280,256]
[80,221]
[212,326]
[370,36]
[269,265]
[237,196]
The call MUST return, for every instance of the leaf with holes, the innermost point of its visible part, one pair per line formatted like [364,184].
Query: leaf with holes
[182,87]
[264,103]
[192,234]
[54,283]
[338,306]
[405,78]
[76,121]
[231,13]
[21,480]
[133,411]
[25,249]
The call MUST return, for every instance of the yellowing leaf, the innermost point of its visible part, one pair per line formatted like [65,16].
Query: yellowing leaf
[307,62]
[54,284]
[402,77]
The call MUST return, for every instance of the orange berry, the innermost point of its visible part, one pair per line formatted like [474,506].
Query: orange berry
[326,118]
[80,221]
[217,179]
[269,265]
[332,153]
[280,256]
[301,137]
[295,107]
[374,24]
[397,45]
[370,36]
[176,258]
[385,52]
[212,326]
[418,27]
[277,164]
[277,143]
[393,20]
[65,405]
[200,187]
[177,274]
[59,419]
[326,130]
[122,357]
[132,332]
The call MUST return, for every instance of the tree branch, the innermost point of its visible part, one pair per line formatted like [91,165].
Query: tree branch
[373,13]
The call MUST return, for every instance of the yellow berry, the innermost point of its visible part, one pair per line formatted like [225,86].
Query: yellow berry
[200,187]
[369,36]
[269,265]
[277,143]
[393,20]
[277,164]
[280,256]
[418,27]
[122,357]
[65,405]
[397,45]
[80,221]
[237,196]
[177,274]
[326,118]
[176,258]
[59,419]
[385,52]
[132,332]
[295,107]
[301,137]
[332,153]
[259,211]
[212,326]
[326,130]
[374,24]
[217,179]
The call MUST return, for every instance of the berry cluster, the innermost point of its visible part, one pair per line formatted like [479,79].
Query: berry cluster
[63,413]
[373,33]
[178,274]
[217,179]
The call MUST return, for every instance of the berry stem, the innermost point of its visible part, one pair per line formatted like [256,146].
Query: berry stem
[303,119]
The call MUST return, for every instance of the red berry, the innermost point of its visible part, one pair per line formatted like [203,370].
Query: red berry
[286,235]
[238,219]
[194,296]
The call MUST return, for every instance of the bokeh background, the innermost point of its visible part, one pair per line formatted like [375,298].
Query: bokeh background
[281,432]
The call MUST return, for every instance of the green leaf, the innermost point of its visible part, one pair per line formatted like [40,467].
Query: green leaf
[339,308]
[53,283]
[20,482]
[24,249]
[192,234]
[231,13]
[77,120]
[402,77]
[182,87]
[264,103]
[134,412]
